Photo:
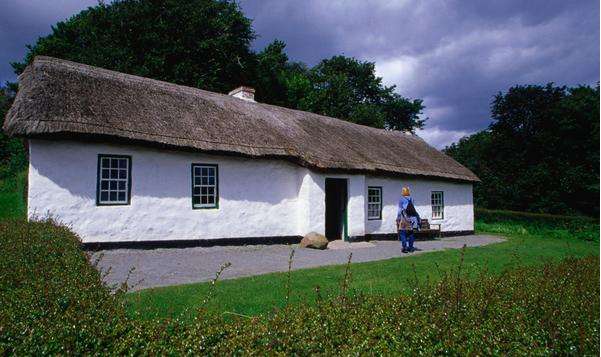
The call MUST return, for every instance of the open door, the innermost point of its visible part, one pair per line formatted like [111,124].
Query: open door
[336,202]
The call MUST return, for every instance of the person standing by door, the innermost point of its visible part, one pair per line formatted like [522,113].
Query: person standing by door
[407,221]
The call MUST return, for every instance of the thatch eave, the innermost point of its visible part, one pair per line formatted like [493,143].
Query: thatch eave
[59,99]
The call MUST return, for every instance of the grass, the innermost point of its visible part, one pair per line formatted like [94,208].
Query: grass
[526,244]
[53,302]
[12,202]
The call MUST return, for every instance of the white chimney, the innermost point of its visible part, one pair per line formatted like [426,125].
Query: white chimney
[244,93]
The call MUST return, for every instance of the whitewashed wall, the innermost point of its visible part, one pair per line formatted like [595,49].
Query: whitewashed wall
[315,202]
[257,198]
[458,203]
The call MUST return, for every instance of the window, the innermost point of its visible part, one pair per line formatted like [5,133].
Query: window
[374,203]
[114,180]
[205,186]
[437,205]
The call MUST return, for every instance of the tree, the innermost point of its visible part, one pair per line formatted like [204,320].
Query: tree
[349,89]
[13,156]
[206,44]
[199,43]
[271,68]
[541,151]
[474,152]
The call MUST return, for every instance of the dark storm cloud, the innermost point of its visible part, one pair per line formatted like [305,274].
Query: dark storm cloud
[23,21]
[456,55]
[453,54]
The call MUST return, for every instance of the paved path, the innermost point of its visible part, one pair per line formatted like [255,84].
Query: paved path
[161,267]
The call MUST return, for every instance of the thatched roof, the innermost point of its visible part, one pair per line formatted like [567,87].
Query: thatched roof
[59,99]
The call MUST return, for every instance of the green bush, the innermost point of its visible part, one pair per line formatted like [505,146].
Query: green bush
[52,301]
[13,196]
[13,153]
[13,157]
[579,227]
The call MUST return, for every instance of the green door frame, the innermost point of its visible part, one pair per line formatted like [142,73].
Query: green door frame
[345,236]
[345,221]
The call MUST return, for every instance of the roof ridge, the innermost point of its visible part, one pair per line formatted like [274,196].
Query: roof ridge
[120,75]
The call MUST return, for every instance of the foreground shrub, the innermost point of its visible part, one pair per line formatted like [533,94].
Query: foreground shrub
[51,298]
[52,302]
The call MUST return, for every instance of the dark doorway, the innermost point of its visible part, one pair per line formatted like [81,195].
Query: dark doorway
[336,199]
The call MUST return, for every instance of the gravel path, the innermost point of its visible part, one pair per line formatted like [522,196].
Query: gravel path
[161,267]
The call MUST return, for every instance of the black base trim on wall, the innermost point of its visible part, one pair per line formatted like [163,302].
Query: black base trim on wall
[418,236]
[189,243]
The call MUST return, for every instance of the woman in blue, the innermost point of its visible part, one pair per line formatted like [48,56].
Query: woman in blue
[407,220]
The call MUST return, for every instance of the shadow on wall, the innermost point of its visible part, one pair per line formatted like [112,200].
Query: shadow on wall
[167,175]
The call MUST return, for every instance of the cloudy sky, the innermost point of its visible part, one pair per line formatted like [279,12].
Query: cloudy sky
[455,55]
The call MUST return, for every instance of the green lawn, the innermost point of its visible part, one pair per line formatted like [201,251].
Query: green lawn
[526,245]
[12,203]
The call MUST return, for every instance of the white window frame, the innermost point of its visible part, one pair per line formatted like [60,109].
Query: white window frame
[114,179]
[437,202]
[202,186]
[376,203]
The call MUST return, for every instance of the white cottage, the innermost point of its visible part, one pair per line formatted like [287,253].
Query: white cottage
[126,160]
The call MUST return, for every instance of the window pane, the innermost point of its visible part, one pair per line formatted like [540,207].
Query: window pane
[437,200]
[374,199]
[114,172]
[204,186]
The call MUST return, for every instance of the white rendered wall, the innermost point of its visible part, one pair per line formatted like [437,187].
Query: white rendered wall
[311,203]
[313,196]
[258,198]
[458,203]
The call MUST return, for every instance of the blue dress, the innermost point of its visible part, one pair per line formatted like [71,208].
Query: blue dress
[406,236]
[402,212]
